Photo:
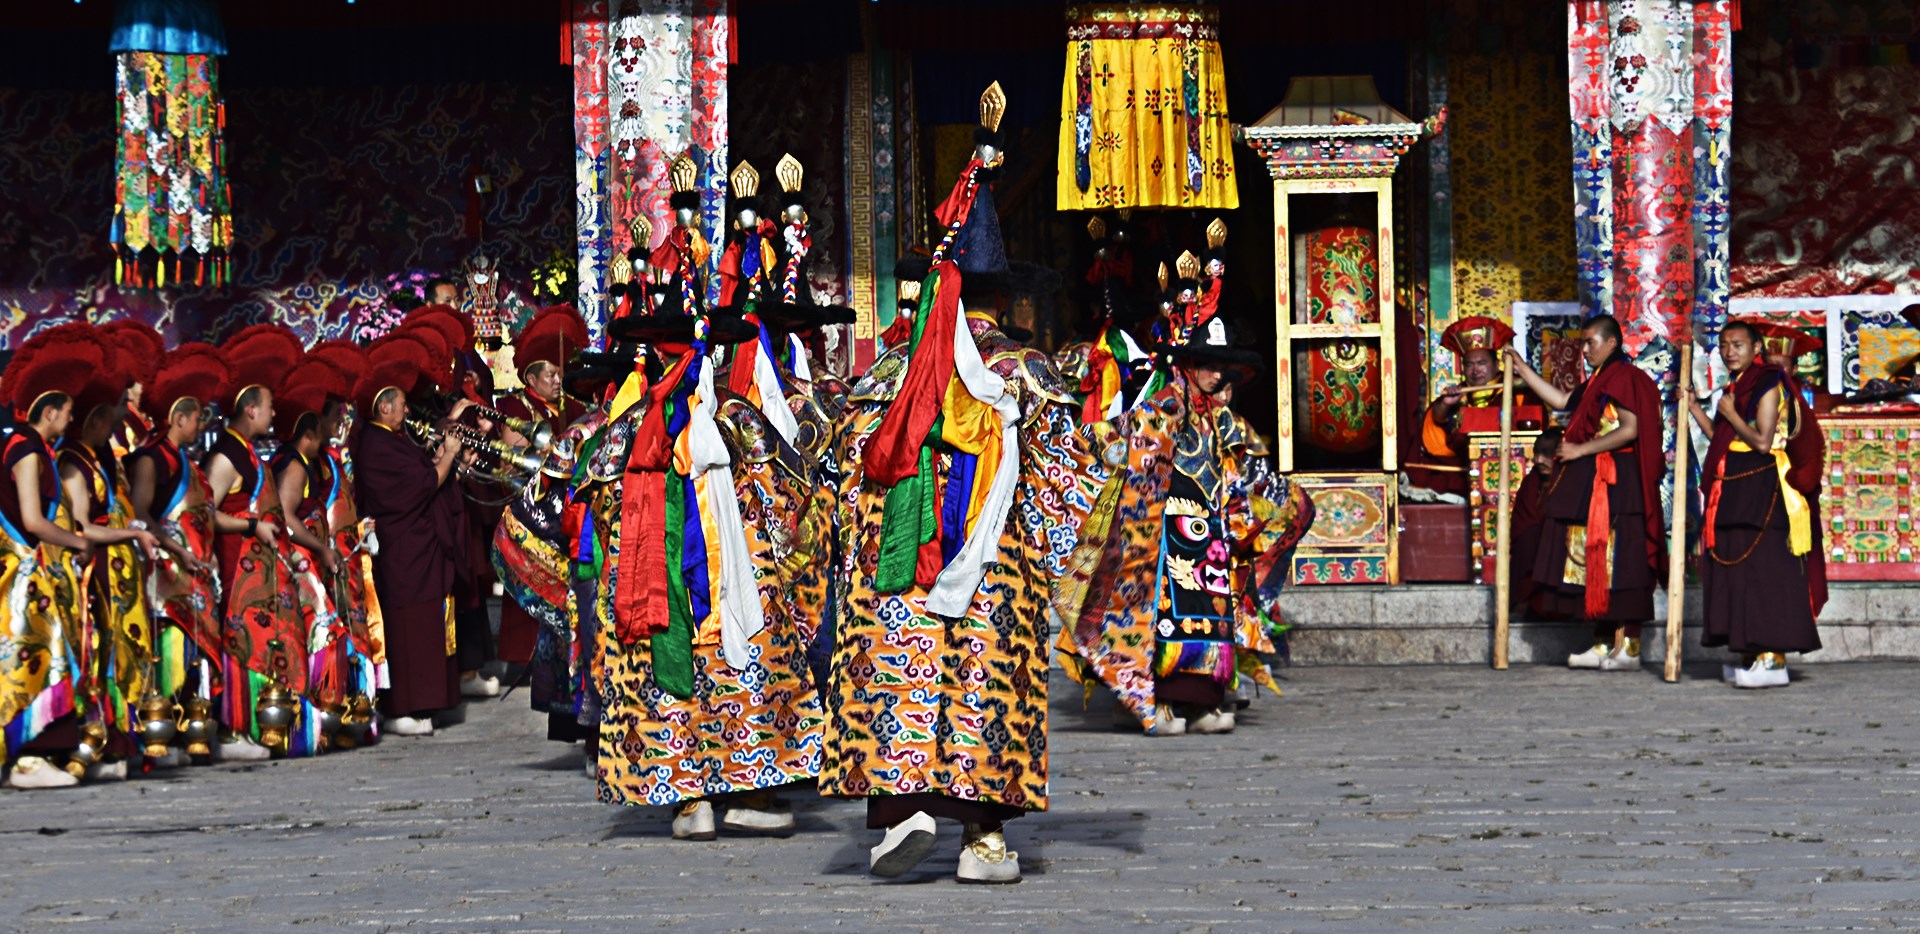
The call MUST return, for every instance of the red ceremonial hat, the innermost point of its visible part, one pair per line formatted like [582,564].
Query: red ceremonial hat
[1478,332]
[60,359]
[551,336]
[143,344]
[345,356]
[189,371]
[1785,340]
[395,361]
[440,368]
[455,328]
[106,386]
[260,355]
[305,390]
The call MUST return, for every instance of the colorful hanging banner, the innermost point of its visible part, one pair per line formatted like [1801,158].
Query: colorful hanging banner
[172,224]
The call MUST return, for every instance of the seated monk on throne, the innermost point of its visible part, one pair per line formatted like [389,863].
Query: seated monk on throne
[1438,460]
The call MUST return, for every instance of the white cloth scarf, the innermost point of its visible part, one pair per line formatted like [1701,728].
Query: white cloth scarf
[953,591]
[1118,406]
[741,614]
[773,402]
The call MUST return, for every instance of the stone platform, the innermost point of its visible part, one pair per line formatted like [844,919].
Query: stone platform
[1443,624]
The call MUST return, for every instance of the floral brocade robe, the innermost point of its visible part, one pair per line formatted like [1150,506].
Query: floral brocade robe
[751,728]
[188,597]
[121,654]
[1109,601]
[958,707]
[44,617]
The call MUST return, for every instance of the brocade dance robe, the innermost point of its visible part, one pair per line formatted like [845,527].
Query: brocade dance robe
[41,590]
[122,653]
[359,601]
[264,637]
[520,630]
[420,529]
[185,599]
[1601,534]
[954,705]
[719,699]
[329,674]
[1182,556]
[1757,535]
[534,557]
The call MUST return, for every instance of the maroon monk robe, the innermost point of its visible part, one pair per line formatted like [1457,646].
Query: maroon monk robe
[1624,385]
[1806,456]
[420,534]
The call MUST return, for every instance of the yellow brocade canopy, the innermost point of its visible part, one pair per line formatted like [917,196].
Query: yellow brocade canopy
[1143,112]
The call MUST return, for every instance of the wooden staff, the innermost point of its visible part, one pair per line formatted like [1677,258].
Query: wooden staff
[1502,583]
[1677,529]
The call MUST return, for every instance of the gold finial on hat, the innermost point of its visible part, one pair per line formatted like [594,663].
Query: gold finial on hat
[621,269]
[788,171]
[1126,214]
[685,172]
[745,180]
[993,106]
[1163,277]
[1188,265]
[642,230]
[1216,234]
[909,290]
[1096,228]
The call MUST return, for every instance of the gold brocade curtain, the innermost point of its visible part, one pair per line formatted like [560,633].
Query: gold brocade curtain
[1144,110]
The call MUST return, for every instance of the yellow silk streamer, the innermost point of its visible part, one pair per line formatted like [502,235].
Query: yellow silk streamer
[1799,514]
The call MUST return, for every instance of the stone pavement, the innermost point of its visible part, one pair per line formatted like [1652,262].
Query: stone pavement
[1367,799]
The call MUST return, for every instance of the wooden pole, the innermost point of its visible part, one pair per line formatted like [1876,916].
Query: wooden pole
[1677,529]
[1502,558]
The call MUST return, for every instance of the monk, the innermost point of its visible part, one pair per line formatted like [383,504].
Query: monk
[1601,529]
[405,489]
[1443,430]
[1758,529]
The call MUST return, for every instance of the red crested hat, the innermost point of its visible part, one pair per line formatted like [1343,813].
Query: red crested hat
[143,346]
[550,337]
[189,371]
[106,386]
[396,361]
[440,367]
[455,328]
[61,359]
[1479,332]
[260,356]
[345,356]
[1783,339]
[305,391]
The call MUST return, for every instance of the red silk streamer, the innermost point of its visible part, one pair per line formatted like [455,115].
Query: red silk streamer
[641,605]
[1599,530]
[894,453]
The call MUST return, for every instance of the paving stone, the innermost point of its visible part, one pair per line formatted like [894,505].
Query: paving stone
[1418,797]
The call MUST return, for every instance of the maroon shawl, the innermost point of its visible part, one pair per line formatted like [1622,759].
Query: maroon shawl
[1806,460]
[1620,382]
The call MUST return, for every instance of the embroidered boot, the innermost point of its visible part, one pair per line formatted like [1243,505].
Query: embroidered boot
[985,859]
[905,845]
[35,772]
[1625,658]
[757,813]
[694,821]
[1769,670]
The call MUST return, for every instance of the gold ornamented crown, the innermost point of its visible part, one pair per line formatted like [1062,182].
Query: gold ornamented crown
[993,106]
[1163,277]
[745,180]
[1216,234]
[684,172]
[1096,228]
[642,230]
[788,171]
[621,269]
[1188,265]
[909,290]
